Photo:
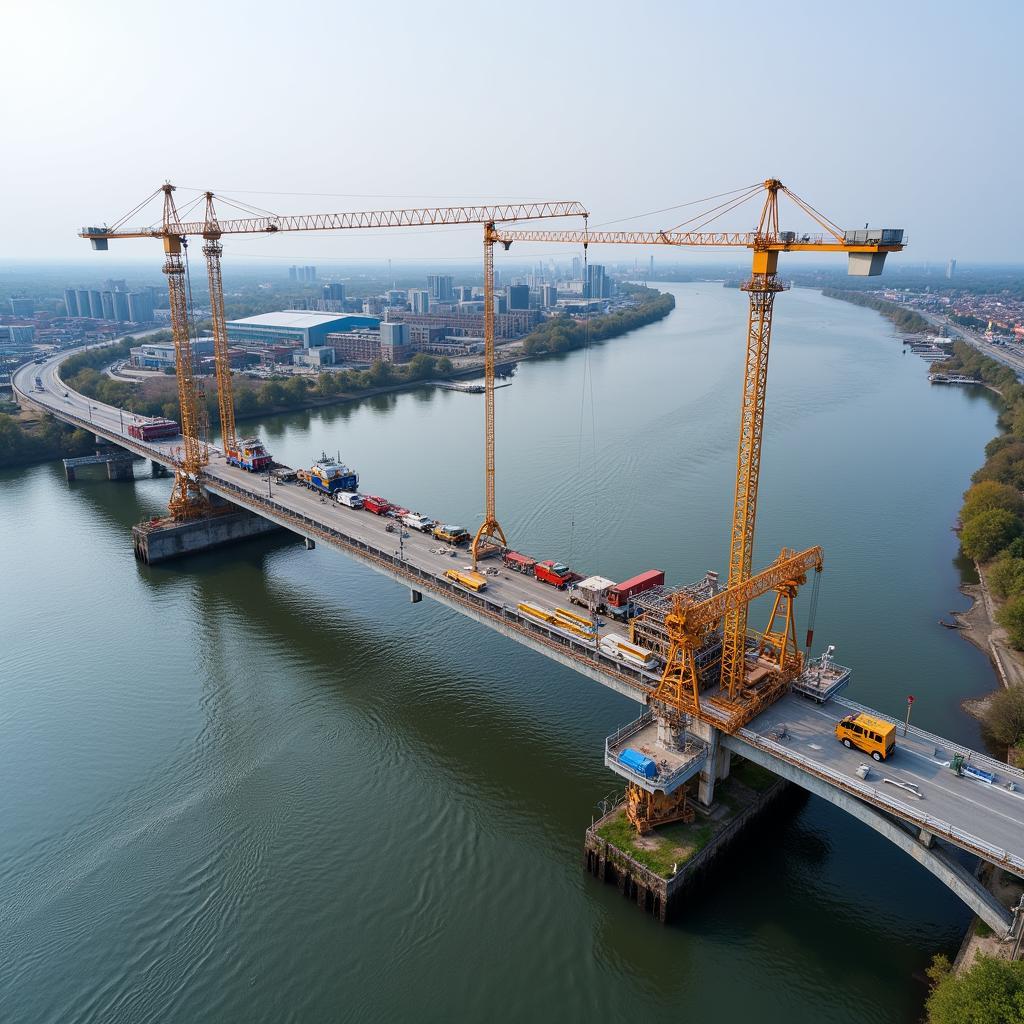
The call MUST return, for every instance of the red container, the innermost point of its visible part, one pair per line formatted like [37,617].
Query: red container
[518,562]
[620,594]
[378,506]
[555,573]
[152,429]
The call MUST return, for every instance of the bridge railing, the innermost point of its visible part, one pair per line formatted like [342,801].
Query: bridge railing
[936,826]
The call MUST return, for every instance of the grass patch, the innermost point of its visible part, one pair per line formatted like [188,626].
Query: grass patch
[671,845]
[753,776]
[982,930]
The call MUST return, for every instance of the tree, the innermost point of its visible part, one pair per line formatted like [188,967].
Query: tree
[991,991]
[1004,718]
[1011,618]
[988,494]
[984,536]
[1006,575]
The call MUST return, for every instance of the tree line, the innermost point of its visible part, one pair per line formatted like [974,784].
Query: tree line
[904,320]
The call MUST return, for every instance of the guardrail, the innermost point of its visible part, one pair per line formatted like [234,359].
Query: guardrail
[936,826]
[665,780]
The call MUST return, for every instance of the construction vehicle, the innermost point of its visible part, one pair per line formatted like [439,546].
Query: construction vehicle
[153,429]
[467,577]
[559,619]
[591,593]
[519,563]
[456,535]
[417,522]
[377,505]
[555,573]
[249,455]
[188,499]
[742,695]
[328,475]
[963,767]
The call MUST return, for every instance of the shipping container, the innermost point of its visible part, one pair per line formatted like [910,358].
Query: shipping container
[518,562]
[620,594]
[150,430]
[639,763]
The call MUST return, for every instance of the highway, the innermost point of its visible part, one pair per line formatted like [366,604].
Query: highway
[1009,357]
[795,733]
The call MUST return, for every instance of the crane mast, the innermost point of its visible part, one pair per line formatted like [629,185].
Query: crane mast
[212,250]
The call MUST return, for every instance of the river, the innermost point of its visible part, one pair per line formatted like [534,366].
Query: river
[263,786]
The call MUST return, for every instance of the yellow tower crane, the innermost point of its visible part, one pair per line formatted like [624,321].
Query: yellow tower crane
[866,249]
[188,499]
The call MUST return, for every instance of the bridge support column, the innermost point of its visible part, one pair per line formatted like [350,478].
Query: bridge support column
[69,473]
[926,839]
[120,469]
[158,468]
[415,596]
[310,543]
[718,763]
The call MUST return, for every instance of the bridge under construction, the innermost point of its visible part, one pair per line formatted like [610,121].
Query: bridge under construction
[711,686]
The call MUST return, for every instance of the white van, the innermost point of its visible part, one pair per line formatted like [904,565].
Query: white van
[417,522]
[349,500]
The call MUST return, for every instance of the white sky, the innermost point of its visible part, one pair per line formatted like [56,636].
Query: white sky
[899,113]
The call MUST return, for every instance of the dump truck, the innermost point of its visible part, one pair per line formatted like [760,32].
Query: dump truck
[555,573]
[452,534]
[328,476]
[377,505]
[519,563]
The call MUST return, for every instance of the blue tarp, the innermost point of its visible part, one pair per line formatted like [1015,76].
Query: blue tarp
[639,763]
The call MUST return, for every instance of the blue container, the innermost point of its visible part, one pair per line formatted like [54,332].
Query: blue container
[639,763]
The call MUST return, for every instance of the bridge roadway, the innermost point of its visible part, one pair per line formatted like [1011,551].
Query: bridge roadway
[794,738]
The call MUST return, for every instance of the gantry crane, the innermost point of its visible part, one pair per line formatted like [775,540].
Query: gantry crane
[188,499]
[867,250]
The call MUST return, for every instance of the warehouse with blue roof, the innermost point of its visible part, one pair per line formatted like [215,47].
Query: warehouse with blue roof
[304,327]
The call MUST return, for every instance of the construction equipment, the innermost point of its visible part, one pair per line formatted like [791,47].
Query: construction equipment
[188,498]
[689,623]
[866,249]
[647,810]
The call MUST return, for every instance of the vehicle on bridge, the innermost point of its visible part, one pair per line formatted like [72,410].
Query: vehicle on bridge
[519,563]
[555,573]
[348,499]
[153,429]
[618,598]
[417,522]
[872,735]
[328,476]
[619,648]
[467,577]
[452,534]
[250,455]
[377,505]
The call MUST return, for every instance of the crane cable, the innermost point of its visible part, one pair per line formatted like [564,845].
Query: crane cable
[812,611]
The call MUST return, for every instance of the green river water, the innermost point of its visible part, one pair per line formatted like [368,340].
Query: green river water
[262,786]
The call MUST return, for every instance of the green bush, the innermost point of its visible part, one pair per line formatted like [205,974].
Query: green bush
[991,991]
[988,494]
[987,533]
[1006,575]
[1004,718]
[1011,618]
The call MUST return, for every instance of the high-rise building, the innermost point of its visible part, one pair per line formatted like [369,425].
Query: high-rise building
[107,298]
[518,296]
[463,293]
[115,285]
[950,269]
[310,273]
[83,302]
[394,342]
[140,307]
[71,301]
[419,300]
[23,307]
[293,274]
[395,297]
[95,304]
[121,306]
[500,304]
[549,295]
[440,287]
[577,268]
[597,285]
[651,272]
[335,291]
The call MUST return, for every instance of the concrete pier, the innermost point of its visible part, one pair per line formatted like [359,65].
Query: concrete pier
[161,539]
[118,463]
[679,854]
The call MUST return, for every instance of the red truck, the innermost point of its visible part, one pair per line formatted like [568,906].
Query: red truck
[519,563]
[619,596]
[555,573]
[378,506]
[151,430]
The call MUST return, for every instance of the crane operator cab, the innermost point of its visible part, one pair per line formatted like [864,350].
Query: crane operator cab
[865,732]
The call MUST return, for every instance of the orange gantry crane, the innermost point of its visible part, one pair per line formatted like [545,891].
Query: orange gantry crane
[738,700]
[188,499]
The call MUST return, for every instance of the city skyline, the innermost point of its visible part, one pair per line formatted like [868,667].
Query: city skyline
[837,128]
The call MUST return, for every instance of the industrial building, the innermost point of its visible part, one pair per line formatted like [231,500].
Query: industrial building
[390,343]
[297,327]
[160,355]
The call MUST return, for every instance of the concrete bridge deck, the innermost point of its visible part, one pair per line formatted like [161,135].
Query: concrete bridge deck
[794,737]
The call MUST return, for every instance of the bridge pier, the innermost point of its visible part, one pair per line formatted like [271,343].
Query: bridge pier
[162,539]
[310,543]
[158,468]
[120,469]
[415,596]
[718,763]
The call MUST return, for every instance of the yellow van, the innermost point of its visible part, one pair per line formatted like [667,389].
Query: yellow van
[873,735]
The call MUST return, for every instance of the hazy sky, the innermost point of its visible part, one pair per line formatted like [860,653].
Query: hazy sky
[899,113]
